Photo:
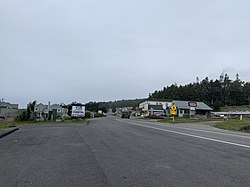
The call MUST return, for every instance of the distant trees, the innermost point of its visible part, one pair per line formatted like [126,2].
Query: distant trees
[104,106]
[216,93]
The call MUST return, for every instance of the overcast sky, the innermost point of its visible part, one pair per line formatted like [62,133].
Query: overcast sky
[102,50]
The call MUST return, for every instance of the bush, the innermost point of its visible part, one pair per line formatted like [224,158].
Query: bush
[66,117]
[22,116]
[87,114]
[245,128]
[97,115]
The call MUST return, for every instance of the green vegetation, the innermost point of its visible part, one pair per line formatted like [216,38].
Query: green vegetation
[104,106]
[185,120]
[235,108]
[216,93]
[234,124]
[5,126]
[28,114]
[25,123]
[72,121]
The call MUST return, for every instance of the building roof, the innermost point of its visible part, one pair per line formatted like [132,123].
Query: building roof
[184,105]
[8,105]
[155,107]
[55,106]
[41,106]
[159,100]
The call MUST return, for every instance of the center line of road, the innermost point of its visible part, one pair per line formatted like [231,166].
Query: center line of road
[185,134]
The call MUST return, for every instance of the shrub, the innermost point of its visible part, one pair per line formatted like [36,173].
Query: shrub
[245,128]
[87,114]
[22,116]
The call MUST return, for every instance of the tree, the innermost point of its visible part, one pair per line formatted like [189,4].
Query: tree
[31,111]
[221,92]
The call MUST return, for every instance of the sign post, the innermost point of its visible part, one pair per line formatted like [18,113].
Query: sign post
[173,111]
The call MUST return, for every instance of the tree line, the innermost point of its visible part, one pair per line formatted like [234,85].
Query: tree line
[216,93]
[104,106]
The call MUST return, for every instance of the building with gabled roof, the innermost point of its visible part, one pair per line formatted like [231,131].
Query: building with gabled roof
[8,111]
[184,109]
[42,111]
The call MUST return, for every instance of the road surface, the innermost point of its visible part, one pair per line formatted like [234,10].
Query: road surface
[121,152]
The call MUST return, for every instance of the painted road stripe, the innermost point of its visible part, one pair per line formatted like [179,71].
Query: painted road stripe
[185,134]
[212,132]
[201,130]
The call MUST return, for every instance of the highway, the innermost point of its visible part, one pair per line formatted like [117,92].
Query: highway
[121,152]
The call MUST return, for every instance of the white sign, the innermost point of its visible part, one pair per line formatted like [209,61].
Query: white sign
[78,111]
[192,108]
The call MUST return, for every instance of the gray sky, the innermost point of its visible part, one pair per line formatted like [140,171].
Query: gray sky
[96,50]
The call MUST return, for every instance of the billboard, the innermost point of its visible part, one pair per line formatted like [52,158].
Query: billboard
[78,111]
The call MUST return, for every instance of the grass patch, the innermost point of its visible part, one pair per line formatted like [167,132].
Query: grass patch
[235,108]
[235,125]
[73,121]
[185,120]
[5,126]
[24,123]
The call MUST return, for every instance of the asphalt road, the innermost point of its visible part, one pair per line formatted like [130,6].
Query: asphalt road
[116,152]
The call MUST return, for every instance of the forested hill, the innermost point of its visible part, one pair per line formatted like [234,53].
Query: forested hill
[104,106]
[216,93]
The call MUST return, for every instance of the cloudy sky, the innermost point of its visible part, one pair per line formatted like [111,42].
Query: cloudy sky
[96,50]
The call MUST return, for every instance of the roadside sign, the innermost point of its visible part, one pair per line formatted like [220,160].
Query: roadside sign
[173,110]
[192,104]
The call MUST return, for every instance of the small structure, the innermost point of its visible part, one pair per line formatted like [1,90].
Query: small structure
[8,111]
[156,105]
[192,108]
[41,111]
[54,111]
[184,108]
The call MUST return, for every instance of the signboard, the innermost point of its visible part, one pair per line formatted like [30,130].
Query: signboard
[173,110]
[78,111]
[192,104]
[192,108]
[173,107]
[158,113]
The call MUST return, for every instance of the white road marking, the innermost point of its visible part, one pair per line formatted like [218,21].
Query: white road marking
[212,132]
[185,134]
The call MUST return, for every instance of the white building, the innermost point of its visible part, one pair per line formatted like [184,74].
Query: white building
[184,109]
[147,106]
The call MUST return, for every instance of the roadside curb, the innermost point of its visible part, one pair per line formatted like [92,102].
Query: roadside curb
[8,132]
